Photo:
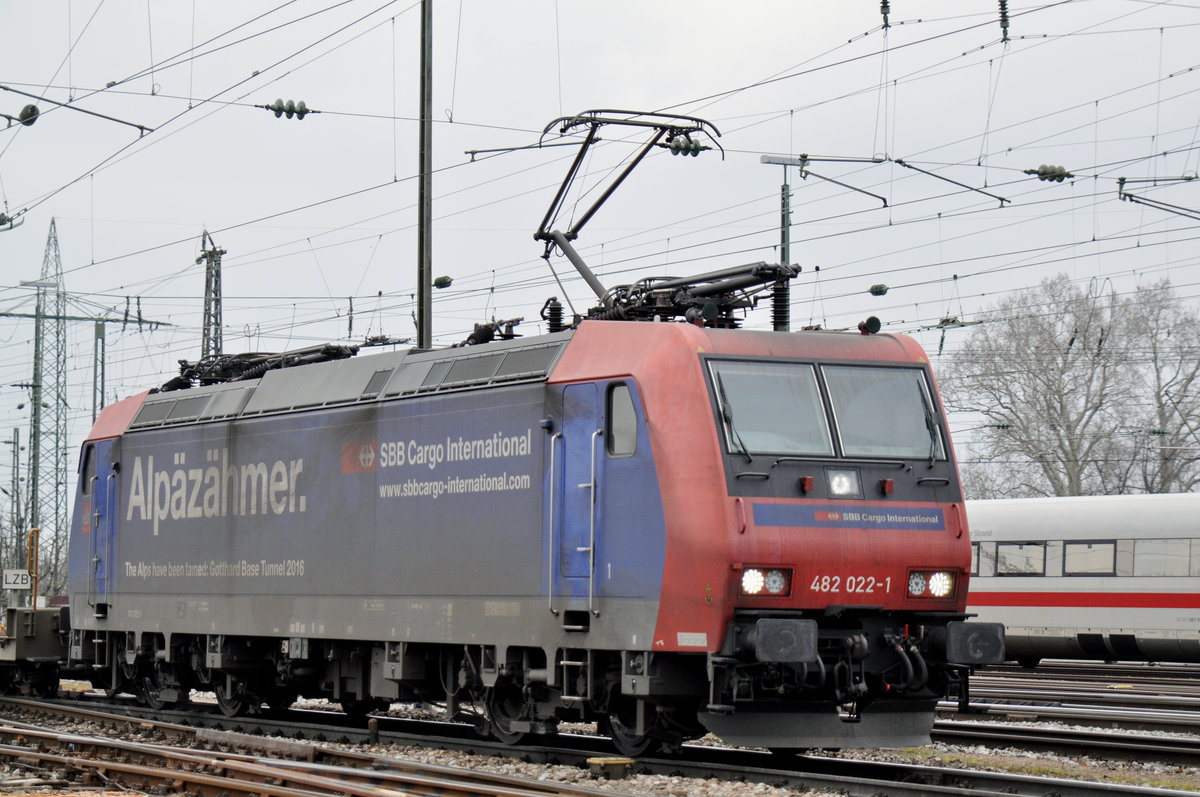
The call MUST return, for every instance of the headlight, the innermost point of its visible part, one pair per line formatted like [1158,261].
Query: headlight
[843,482]
[931,584]
[753,581]
[940,585]
[760,581]
[775,582]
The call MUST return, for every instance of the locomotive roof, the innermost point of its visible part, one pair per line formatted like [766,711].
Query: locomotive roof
[604,348]
[598,349]
[386,375]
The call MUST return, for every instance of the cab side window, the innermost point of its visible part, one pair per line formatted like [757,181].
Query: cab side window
[622,421]
[87,469]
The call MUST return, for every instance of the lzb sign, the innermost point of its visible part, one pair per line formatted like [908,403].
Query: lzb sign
[17,579]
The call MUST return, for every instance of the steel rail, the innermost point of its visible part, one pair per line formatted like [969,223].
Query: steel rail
[846,775]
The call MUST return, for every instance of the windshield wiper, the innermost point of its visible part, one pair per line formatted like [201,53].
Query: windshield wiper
[727,416]
[931,425]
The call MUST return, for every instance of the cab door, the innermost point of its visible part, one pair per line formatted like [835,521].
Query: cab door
[99,481]
[575,523]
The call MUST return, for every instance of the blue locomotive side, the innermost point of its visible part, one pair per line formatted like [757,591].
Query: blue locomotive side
[295,535]
[449,496]
[379,500]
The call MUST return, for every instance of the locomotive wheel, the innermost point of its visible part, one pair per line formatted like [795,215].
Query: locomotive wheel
[159,686]
[150,694]
[620,724]
[203,675]
[280,697]
[230,698]
[149,689]
[102,680]
[353,706]
[504,704]
[122,675]
[29,679]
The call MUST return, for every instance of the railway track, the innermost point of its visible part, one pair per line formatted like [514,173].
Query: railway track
[292,769]
[1088,670]
[1133,697]
[1180,750]
[1180,679]
[315,769]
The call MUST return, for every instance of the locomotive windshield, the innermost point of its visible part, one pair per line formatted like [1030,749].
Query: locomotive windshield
[776,408]
[772,408]
[883,412]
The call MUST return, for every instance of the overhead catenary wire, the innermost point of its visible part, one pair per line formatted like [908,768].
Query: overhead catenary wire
[677,238]
[30,205]
[256,220]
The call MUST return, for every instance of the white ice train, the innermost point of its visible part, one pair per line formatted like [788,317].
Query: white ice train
[1112,578]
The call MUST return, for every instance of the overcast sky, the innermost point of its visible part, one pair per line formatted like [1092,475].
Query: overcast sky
[319,214]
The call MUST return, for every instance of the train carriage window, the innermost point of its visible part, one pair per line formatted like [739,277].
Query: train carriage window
[771,408]
[1125,558]
[1161,557]
[883,412]
[1020,559]
[974,558]
[987,558]
[1054,558]
[622,421]
[1090,559]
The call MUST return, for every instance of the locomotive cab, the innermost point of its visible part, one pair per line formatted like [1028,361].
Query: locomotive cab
[816,557]
[852,565]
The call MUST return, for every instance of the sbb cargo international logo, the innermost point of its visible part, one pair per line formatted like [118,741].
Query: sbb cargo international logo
[359,456]
[828,516]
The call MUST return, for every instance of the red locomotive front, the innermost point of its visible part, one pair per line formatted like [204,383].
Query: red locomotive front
[816,549]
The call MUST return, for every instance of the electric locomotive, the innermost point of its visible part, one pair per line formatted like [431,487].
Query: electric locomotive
[665,524]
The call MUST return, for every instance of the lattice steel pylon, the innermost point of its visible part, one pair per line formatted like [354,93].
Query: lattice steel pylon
[210,342]
[48,391]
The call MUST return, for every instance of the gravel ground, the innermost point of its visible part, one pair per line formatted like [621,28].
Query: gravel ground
[968,757]
[1018,761]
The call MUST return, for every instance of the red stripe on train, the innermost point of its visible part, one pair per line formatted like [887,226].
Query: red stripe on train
[1116,600]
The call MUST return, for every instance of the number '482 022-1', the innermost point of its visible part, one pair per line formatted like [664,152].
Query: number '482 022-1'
[864,584]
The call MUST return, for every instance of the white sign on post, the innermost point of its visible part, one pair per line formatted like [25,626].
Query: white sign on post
[17,579]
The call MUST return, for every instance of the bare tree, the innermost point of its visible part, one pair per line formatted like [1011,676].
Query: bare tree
[1168,374]
[1080,393]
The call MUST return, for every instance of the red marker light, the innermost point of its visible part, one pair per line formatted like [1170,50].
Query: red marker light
[887,485]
